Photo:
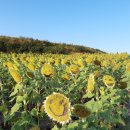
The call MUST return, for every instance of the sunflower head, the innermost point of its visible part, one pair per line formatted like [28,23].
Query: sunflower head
[96,74]
[67,69]
[29,74]
[97,62]
[89,59]
[122,84]
[51,61]
[109,81]
[10,65]
[81,111]
[128,67]
[91,83]
[47,70]
[80,62]
[31,67]
[74,69]
[65,76]
[57,107]
[16,76]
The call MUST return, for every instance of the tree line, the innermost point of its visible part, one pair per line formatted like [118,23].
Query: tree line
[25,45]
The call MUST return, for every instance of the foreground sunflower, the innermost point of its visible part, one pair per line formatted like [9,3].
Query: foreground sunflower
[109,81]
[57,107]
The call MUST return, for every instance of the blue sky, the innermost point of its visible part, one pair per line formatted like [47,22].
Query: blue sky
[101,24]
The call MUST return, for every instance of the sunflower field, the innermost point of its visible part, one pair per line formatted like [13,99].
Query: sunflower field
[64,92]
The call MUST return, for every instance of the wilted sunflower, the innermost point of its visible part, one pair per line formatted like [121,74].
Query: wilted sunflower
[81,111]
[97,62]
[91,83]
[109,81]
[122,84]
[16,76]
[57,107]
[96,74]
[29,75]
[47,70]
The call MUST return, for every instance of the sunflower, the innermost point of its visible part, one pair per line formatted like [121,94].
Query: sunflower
[57,107]
[16,76]
[10,65]
[67,69]
[91,83]
[89,59]
[122,84]
[31,59]
[51,61]
[97,74]
[63,61]
[31,67]
[97,62]
[80,62]
[29,75]
[81,111]
[109,81]
[65,76]
[74,69]
[47,70]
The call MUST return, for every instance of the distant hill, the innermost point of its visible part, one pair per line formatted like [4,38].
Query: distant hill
[23,44]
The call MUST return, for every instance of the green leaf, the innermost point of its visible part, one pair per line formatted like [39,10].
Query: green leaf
[34,112]
[90,104]
[73,125]
[88,95]
[15,108]
[55,128]
[8,117]
[19,99]
[35,128]
[13,93]
[91,128]
[94,106]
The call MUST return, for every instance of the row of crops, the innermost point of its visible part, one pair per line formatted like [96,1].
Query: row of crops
[64,92]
